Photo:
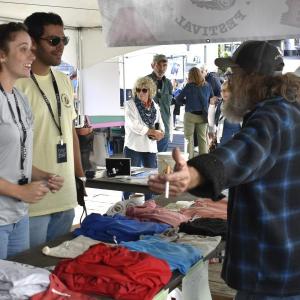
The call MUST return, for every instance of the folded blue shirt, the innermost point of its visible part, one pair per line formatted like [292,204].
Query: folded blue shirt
[178,256]
[117,228]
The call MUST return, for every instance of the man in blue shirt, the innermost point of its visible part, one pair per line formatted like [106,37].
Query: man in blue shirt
[260,166]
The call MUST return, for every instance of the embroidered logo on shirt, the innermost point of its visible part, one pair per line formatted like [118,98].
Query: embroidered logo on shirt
[65,100]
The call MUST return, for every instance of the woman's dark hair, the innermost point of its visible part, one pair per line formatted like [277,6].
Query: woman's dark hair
[8,32]
[36,22]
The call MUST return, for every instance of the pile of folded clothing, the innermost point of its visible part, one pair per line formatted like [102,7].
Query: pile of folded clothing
[116,272]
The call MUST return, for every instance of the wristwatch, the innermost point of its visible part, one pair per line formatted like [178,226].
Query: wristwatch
[83,179]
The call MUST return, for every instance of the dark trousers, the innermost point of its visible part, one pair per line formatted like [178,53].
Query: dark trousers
[162,145]
[141,159]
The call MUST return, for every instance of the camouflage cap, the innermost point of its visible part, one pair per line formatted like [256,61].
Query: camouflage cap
[159,57]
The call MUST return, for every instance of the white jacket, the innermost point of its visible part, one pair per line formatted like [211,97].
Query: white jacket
[211,122]
[136,130]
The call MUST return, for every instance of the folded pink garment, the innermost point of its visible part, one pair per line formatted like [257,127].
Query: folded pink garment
[150,211]
[206,208]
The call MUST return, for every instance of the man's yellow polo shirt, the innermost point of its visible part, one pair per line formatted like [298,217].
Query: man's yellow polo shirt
[46,137]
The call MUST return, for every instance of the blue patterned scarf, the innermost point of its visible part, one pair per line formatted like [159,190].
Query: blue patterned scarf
[148,115]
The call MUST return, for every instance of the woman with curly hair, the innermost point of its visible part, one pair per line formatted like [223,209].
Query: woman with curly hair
[143,125]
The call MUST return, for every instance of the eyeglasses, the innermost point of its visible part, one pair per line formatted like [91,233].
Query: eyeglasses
[141,90]
[55,40]
[229,76]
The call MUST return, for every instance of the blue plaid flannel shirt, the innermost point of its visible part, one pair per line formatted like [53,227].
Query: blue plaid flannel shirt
[261,166]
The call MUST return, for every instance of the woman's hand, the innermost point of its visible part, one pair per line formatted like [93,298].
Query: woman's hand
[55,183]
[159,135]
[155,134]
[183,178]
[32,192]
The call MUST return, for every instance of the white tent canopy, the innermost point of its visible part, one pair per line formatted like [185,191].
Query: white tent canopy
[86,50]
[79,16]
[79,13]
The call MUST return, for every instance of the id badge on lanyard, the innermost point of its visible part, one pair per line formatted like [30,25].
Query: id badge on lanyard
[61,152]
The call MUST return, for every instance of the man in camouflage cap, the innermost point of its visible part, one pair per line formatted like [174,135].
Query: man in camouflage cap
[163,96]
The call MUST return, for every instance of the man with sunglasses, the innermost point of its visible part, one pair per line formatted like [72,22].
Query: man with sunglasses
[55,145]
[163,96]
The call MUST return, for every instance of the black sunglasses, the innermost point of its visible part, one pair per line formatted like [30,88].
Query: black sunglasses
[143,90]
[55,40]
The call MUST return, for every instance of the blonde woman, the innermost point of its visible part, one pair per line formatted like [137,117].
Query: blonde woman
[195,96]
[143,125]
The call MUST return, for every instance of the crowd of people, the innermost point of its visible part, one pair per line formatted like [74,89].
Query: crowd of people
[253,117]
[202,97]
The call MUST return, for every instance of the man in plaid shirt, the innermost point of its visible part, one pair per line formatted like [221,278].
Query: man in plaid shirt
[260,166]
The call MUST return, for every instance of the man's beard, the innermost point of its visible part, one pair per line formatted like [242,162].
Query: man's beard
[159,74]
[234,110]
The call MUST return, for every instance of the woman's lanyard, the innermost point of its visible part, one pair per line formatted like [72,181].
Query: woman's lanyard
[23,152]
[58,125]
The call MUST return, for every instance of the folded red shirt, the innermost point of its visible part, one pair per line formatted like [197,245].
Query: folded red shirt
[116,272]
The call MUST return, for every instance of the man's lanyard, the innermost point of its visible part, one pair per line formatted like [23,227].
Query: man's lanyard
[58,125]
[24,131]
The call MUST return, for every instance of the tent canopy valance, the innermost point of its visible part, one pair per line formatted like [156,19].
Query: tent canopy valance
[79,13]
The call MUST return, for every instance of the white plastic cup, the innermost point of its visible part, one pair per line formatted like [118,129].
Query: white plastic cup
[138,198]
[165,159]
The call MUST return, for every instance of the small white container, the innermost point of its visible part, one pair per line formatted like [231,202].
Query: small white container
[138,198]
[165,159]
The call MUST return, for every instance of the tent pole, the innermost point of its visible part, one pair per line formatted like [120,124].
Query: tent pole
[124,81]
[79,66]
